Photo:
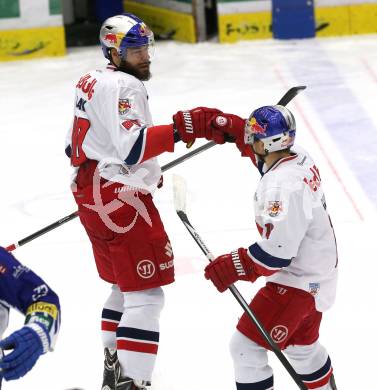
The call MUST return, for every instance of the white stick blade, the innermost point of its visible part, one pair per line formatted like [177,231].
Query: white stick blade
[180,190]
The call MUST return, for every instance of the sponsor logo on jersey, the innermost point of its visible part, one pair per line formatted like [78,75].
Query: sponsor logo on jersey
[302,162]
[279,333]
[168,249]
[188,122]
[124,106]
[145,269]
[125,195]
[19,270]
[315,182]
[86,84]
[221,121]
[165,266]
[281,290]
[314,288]
[237,263]
[3,269]
[44,308]
[129,123]
[275,208]
[256,128]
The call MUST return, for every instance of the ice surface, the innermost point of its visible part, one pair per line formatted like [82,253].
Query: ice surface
[336,123]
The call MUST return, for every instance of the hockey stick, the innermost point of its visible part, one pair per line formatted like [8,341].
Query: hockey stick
[69,217]
[179,188]
[288,96]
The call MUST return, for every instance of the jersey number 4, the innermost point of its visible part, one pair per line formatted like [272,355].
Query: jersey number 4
[80,128]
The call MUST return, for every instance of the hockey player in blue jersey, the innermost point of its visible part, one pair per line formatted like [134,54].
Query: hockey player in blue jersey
[22,289]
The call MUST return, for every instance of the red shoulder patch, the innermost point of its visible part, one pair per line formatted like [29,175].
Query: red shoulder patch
[127,124]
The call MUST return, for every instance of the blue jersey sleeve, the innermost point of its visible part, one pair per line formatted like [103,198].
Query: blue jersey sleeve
[20,287]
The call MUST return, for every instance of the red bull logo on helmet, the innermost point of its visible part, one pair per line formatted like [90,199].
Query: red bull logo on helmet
[112,38]
[256,128]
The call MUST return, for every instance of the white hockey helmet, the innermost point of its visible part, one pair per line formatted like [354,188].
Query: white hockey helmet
[275,126]
[125,31]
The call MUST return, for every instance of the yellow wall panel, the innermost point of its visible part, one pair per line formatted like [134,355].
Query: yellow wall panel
[30,43]
[332,21]
[363,18]
[236,27]
[177,25]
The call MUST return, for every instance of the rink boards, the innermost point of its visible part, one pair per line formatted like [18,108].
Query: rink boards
[31,29]
[167,19]
[240,20]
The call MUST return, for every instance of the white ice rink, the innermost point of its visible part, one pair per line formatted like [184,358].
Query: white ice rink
[337,123]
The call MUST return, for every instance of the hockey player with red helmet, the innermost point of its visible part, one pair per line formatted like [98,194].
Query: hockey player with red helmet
[296,252]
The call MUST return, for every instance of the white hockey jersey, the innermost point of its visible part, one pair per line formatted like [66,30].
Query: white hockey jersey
[111,120]
[298,239]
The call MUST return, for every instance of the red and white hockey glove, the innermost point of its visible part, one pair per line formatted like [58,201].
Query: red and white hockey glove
[198,123]
[227,269]
[231,124]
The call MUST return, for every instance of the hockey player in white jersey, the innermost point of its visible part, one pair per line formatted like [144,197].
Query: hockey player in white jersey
[113,147]
[296,252]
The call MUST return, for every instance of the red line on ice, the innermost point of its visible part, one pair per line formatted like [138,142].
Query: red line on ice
[314,135]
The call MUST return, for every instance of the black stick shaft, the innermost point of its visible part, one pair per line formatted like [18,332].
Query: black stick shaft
[233,289]
[188,155]
[288,96]
[45,230]
[74,215]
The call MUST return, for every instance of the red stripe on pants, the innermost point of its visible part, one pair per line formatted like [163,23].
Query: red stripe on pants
[320,382]
[137,346]
[109,326]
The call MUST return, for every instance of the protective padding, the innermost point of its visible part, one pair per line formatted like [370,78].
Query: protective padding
[249,359]
[141,318]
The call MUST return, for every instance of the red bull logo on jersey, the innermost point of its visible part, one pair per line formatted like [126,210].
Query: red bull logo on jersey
[256,128]
[124,106]
[275,208]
